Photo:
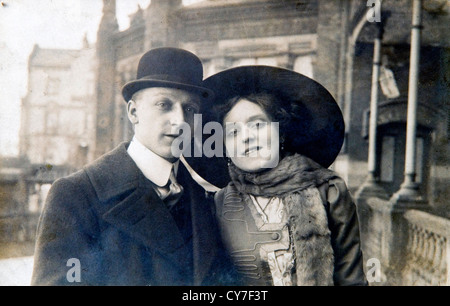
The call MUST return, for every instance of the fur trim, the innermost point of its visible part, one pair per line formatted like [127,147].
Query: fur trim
[296,180]
[308,224]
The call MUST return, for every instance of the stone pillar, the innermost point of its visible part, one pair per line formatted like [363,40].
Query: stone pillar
[373,122]
[408,197]
[409,188]
[371,185]
[369,216]
[105,91]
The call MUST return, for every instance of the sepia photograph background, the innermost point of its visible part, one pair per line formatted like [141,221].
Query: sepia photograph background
[63,63]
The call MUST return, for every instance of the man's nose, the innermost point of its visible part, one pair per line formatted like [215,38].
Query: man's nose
[177,115]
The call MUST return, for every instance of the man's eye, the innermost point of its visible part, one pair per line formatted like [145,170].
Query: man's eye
[163,105]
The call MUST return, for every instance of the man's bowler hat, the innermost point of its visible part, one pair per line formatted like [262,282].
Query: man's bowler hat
[168,67]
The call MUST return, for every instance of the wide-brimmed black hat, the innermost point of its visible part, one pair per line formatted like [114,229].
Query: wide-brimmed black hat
[316,131]
[168,67]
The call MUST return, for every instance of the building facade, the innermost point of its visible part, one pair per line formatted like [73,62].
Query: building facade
[58,113]
[322,39]
[332,41]
[223,34]
[57,137]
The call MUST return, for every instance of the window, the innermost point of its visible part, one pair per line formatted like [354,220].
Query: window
[419,159]
[72,122]
[303,65]
[36,121]
[53,85]
[387,159]
[37,197]
[269,61]
[52,123]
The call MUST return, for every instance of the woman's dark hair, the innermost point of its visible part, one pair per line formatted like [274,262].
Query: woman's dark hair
[292,116]
[269,103]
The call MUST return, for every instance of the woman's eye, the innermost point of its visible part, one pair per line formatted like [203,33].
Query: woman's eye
[190,109]
[257,125]
[232,133]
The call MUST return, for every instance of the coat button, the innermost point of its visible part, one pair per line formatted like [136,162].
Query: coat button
[275,236]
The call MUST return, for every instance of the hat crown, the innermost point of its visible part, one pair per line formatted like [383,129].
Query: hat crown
[168,67]
[181,64]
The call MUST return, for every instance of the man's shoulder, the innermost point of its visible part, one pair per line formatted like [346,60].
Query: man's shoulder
[111,165]
[101,164]
[70,181]
[114,156]
[109,169]
[113,172]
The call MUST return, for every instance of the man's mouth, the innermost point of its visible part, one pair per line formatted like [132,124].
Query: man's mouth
[172,135]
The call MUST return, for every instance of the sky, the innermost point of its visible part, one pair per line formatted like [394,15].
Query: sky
[50,24]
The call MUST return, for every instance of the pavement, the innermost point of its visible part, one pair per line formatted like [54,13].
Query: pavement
[16,271]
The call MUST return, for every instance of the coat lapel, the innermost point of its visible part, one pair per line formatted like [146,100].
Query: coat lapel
[144,217]
[205,243]
[130,203]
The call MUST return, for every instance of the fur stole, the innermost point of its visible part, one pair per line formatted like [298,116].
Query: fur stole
[296,180]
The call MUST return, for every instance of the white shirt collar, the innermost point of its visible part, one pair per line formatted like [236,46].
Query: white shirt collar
[154,167]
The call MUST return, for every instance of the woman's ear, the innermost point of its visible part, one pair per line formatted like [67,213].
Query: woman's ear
[132,112]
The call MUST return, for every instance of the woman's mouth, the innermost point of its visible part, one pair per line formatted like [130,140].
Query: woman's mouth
[252,150]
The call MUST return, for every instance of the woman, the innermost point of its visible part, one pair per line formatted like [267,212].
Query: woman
[285,218]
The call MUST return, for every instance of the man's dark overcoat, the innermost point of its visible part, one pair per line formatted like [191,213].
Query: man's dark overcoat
[109,217]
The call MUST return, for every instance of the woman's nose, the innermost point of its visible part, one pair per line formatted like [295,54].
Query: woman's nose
[249,135]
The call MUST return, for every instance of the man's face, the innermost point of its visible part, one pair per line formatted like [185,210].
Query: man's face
[157,112]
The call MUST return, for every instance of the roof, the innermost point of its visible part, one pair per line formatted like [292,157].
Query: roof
[52,57]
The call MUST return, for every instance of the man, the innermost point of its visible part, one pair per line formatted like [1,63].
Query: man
[135,216]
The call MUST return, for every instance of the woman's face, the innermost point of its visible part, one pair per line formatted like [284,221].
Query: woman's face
[251,138]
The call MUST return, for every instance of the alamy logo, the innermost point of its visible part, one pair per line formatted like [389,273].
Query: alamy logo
[214,144]
[74,273]
[373,270]
[374,13]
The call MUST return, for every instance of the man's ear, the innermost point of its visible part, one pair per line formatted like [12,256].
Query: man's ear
[132,112]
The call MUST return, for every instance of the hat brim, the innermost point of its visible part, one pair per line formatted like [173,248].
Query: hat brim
[130,88]
[321,139]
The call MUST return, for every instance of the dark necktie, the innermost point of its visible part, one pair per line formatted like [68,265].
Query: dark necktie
[175,191]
